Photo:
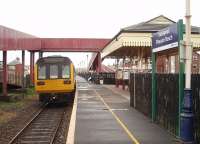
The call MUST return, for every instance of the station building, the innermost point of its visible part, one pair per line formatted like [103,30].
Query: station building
[133,44]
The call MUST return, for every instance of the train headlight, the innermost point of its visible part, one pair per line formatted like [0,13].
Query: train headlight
[41,83]
[67,82]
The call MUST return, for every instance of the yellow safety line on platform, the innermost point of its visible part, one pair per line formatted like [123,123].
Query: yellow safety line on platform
[118,120]
[72,125]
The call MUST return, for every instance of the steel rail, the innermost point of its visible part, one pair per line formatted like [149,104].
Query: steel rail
[57,128]
[27,124]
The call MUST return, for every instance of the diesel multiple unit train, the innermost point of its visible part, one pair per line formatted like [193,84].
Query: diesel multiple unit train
[54,78]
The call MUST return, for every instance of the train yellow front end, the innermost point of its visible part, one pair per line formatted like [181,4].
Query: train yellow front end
[55,79]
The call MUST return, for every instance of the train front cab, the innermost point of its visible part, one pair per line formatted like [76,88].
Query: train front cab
[57,85]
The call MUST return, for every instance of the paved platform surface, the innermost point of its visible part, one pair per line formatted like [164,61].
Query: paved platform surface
[105,117]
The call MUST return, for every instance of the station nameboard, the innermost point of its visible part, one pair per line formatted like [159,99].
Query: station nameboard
[166,38]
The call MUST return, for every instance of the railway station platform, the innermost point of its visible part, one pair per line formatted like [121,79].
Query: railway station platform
[104,116]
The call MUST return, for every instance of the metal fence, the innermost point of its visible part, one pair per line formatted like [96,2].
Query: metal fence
[108,78]
[196,105]
[167,99]
[140,92]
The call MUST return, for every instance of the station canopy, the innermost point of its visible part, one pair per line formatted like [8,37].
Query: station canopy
[135,40]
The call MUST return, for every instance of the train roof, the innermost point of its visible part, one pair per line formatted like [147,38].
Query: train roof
[54,59]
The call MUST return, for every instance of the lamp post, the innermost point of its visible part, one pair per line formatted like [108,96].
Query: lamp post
[186,130]
[188,46]
[87,65]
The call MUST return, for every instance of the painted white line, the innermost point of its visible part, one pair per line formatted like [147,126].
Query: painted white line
[119,109]
[72,125]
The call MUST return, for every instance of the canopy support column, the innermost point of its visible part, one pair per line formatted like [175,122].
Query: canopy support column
[4,96]
[5,78]
[32,59]
[116,78]
[40,54]
[98,62]
[23,64]
[123,81]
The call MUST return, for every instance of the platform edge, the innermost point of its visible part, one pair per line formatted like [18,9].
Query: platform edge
[72,125]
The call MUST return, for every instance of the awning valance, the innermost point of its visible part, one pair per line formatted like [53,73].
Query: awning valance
[127,40]
[136,40]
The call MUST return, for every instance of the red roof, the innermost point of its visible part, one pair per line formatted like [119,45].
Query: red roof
[107,69]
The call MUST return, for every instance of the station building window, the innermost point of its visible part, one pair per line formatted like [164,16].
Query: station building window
[195,57]
[194,66]
[172,64]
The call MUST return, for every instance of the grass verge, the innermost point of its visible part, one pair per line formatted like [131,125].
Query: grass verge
[8,110]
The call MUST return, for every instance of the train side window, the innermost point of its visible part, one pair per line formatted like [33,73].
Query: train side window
[42,72]
[53,71]
[65,71]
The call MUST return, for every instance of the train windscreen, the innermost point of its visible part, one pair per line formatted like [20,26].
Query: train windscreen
[65,71]
[42,72]
[53,71]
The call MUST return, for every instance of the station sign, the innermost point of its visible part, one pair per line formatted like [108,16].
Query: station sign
[166,38]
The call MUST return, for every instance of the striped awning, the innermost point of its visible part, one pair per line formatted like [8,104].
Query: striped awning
[127,40]
[136,40]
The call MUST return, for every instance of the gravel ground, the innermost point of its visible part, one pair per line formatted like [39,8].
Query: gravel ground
[11,128]
[63,129]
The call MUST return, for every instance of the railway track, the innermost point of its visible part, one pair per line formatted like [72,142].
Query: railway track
[42,128]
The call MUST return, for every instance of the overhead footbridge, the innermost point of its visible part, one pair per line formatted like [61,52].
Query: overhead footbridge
[11,39]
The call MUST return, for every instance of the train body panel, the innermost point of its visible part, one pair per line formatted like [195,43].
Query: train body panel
[51,86]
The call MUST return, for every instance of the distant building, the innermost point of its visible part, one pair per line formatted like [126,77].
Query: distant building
[15,66]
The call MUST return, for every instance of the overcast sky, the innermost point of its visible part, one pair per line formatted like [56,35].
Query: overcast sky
[86,18]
